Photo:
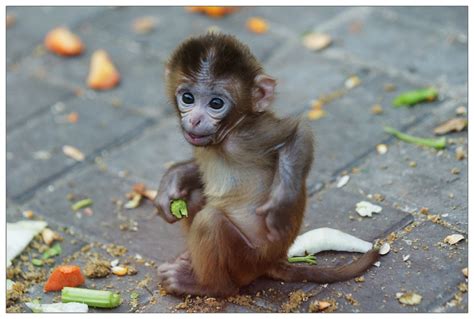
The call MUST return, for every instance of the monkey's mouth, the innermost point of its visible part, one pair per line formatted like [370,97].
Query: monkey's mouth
[198,140]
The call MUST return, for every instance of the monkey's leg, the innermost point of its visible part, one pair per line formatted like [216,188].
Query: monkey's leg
[220,260]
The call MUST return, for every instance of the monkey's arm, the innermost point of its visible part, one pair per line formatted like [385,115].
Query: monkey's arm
[294,162]
[181,181]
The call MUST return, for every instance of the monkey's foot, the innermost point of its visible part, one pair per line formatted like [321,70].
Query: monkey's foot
[178,278]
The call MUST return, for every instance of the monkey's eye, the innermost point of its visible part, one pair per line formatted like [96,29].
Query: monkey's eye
[216,103]
[187,98]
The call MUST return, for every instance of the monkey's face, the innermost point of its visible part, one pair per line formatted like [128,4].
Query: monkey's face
[202,108]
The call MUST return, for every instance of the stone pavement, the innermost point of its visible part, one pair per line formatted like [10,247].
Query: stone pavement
[129,134]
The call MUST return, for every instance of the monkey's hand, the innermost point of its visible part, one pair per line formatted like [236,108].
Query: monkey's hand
[181,181]
[277,210]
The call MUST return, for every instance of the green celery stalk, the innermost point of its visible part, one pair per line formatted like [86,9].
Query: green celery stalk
[438,143]
[93,298]
[310,259]
[413,97]
[82,204]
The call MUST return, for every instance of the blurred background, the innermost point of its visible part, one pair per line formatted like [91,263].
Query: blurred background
[339,67]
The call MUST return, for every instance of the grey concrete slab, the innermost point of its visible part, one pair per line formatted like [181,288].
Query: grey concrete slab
[141,229]
[430,183]
[423,51]
[158,147]
[28,97]
[432,270]
[99,125]
[33,22]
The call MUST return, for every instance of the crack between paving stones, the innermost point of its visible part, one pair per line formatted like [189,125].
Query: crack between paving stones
[89,160]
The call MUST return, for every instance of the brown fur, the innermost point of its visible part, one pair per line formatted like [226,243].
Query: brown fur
[259,163]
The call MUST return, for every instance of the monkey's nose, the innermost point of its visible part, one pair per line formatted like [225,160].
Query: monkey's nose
[195,122]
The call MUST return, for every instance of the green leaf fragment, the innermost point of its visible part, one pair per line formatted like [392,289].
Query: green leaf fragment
[37,262]
[83,203]
[411,98]
[437,143]
[310,259]
[179,208]
[53,251]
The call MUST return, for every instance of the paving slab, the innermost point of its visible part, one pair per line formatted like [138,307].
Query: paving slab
[140,229]
[430,183]
[432,270]
[32,23]
[41,96]
[411,54]
[99,125]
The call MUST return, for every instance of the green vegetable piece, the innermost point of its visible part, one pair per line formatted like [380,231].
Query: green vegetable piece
[134,295]
[411,98]
[37,262]
[91,297]
[179,208]
[83,203]
[53,251]
[437,143]
[310,259]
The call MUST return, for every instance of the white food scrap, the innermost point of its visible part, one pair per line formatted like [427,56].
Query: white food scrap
[409,298]
[73,153]
[317,41]
[453,239]
[384,249]
[365,208]
[343,181]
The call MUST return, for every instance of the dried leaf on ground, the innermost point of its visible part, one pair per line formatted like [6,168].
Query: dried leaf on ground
[144,25]
[409,298]
[453,125]
[102,74]
[316,41]
[63,42]
[453,239]
[257,25]
[73,153]
[365,208]
[214,12]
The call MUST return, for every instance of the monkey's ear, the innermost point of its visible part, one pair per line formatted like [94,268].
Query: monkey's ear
[263,92]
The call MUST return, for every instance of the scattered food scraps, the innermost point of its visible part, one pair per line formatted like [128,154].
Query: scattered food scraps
[377,264]
[53,251]
[63,42]
[73,117]
[461,110]
[323,239]
[37,262]
[359,279]
[316,41]
[460,153]
[91,297]
[352,82]
[10,20]
[343,181]
[455,171]
[316,114]
[19,235]
[144,25]
[214,12]
[119,270]
[453,239]
[73,153]
[389,87]
[64,276]
[257,25]
[411,98]
[141,189]
[83,203]
[97,268]
[382,149]
[453,125]
[49,236]
[385,249]
[310,259]
[42,155]
[409,298]
[406,257]
[465,272]
[179,208]
[376,109]
[102,74]
[319,305]
[439,143]
[57,307]
[365,208]
[412,164]
[134,202]
[28,214]
[296,298]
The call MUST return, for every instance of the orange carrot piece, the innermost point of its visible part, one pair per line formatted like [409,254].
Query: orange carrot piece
[64,276]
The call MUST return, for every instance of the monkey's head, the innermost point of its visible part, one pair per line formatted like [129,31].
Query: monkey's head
[215,82]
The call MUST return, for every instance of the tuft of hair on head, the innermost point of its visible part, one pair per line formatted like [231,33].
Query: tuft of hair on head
[211,57]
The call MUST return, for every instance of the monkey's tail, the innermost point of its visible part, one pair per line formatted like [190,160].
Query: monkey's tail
[288,272]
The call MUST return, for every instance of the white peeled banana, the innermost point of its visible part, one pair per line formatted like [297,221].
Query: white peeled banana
[322,239]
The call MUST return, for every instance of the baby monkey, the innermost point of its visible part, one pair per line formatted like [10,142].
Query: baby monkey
[246,185]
